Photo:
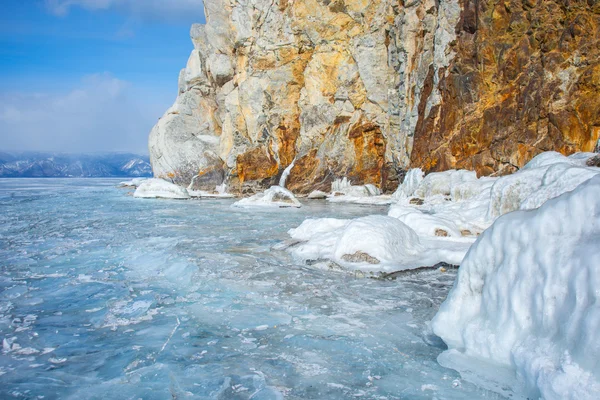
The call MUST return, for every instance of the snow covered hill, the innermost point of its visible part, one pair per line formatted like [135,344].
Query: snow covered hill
[40,165]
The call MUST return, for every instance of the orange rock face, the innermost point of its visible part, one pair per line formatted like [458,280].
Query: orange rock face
[525,79]
[368,89]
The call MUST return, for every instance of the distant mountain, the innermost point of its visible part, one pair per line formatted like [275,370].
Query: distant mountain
[57,165]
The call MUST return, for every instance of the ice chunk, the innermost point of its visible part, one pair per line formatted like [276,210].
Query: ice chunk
[546,176]
[383,238]
[558,179]
[344,187]
[374,243]
[219,192]
[526,298]
[132,183]
[424,224]
[275,196]
[159,188]
[317,194]
[411,182]
[344,192]
[443,182]
[339,185]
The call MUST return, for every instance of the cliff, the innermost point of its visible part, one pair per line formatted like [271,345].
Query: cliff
[366,89]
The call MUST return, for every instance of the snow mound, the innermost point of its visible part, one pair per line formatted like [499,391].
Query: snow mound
[371,240]
[546,176]
[156,188]
[135,182]
[317,194]
[319,237]
[342,191]
[441,183]
[220,192]
[275,196]
[383,238]
[526,298]
[425,224]
[375,243]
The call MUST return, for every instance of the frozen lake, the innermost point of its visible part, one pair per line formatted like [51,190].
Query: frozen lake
[107,296]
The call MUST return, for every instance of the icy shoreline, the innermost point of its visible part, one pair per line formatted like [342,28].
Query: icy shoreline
[455,218]
[105,294]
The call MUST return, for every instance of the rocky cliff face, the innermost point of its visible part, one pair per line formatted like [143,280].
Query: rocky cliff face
[365,89]
[525,79]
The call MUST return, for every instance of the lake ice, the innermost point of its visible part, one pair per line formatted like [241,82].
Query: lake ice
[107,296]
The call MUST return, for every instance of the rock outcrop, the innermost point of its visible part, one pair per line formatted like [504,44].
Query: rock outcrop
[365,89]
[525,79]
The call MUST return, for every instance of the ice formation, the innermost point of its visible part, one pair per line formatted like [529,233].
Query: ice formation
[156,188]
[526,298]
[135,182]
[442,183]
[447,210]
[546,176]
[412,180]
[286,173]
[342,191]
[109,297]
[275,196]
[219,192]
[317,194]
[374,243]
[425,224]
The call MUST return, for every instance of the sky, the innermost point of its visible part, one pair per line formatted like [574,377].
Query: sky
[85,76]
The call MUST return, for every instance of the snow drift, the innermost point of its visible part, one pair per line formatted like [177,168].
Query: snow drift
[375,243]
[526,298]
[445,210]
[158,188]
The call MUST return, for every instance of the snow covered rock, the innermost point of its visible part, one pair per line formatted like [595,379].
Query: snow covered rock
[546,176]
[526,298]
[342,191]
[220,192]
[382,238]
[275,196]
[593,161]
[317,194]
[135,182]
[160,189]
[372,244]
[374,239]
[425,224]
[441,183]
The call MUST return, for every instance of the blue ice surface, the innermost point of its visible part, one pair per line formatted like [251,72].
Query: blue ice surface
[104,296]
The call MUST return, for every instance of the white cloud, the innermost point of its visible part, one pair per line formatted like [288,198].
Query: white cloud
[156,9]
[102,114]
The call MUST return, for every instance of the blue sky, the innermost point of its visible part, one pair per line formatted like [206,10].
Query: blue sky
[89,75]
